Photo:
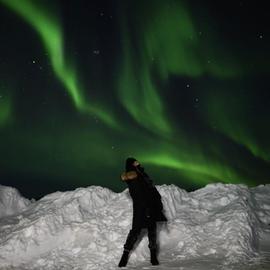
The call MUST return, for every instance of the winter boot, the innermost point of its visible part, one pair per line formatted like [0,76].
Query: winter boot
[124,258]
[154,259]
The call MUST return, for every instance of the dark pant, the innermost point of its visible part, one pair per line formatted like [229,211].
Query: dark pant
[134,233]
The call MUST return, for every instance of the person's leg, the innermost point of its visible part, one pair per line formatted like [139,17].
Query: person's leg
[132,238]
[130,241]
[152,237]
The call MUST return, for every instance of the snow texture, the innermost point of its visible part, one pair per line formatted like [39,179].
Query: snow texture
[87,227]
[11,201]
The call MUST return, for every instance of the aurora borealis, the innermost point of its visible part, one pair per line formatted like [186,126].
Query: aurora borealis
[179,85]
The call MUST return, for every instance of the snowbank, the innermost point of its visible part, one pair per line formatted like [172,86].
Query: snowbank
[86,228]
[11,201]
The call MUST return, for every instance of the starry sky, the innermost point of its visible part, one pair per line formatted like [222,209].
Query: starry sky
[182,86]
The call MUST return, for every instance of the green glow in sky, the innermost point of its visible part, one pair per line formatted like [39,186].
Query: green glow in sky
[238,122]
[138,94]
[203,172]
[169,41]
[166,43]
[49,29]
[162,48]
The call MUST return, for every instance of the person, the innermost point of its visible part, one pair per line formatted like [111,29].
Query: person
[147,209]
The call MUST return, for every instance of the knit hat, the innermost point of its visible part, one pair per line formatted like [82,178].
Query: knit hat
[129,164]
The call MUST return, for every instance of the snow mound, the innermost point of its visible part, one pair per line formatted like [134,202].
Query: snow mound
[11,201]
[87,227]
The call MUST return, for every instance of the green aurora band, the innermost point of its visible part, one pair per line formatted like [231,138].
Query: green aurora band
[49,29]
[165,42]
[168,44]
[230,118]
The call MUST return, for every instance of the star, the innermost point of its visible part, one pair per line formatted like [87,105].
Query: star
[196,105]
[33,61]
[188,85]
[96,51]
[260,36]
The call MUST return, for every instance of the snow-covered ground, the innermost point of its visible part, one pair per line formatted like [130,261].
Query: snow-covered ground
[220,226]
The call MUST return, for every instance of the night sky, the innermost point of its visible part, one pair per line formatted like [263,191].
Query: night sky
[183,86]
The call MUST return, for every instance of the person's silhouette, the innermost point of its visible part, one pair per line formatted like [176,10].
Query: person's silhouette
[147,208]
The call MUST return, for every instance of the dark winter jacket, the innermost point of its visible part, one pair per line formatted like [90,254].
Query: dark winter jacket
[147,204]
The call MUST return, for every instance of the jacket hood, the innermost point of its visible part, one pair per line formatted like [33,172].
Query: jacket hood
[129,164]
